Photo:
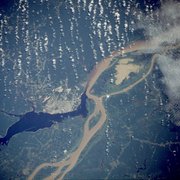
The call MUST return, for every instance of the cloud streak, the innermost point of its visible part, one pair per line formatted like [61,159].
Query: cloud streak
[171,71]
[163,28]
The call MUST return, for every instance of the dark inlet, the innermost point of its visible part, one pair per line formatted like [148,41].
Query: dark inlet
[33,121]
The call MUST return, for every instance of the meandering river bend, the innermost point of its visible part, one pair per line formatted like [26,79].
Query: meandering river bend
[67,164]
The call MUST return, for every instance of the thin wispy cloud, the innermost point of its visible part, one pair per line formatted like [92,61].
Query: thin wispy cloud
[163,27]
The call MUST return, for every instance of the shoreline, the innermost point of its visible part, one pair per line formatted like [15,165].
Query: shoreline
[88,134]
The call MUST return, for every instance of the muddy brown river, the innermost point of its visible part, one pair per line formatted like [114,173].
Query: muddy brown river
[67,164]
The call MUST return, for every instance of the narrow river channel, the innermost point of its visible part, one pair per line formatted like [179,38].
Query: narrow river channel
[66,165]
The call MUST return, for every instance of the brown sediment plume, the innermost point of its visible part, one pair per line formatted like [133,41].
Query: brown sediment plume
[67,164]
[71,161]
[105,63]
[124,68]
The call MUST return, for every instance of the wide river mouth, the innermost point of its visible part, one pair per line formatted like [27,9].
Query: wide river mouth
[66,165]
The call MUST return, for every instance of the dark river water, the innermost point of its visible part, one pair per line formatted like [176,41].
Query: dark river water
[33,121]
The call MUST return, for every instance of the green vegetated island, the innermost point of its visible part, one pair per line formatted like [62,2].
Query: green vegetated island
[122,72]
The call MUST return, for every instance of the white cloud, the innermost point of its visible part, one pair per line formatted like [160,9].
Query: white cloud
[171,71]
[163,26]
